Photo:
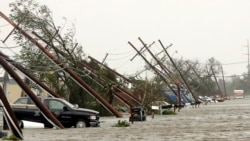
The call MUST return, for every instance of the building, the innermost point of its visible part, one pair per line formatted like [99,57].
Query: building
[11,89]
[238,94]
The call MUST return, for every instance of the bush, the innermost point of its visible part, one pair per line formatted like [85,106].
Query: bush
[169,112]
[12,138]
[122,123]
[122,109]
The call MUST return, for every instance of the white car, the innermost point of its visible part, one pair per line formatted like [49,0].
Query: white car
[161,106]
[208,99]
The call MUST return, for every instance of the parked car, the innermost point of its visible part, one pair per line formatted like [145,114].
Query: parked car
[161,106]
[137,114]
[207,99]
[67,114]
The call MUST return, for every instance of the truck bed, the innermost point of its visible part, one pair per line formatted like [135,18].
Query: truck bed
[24,106]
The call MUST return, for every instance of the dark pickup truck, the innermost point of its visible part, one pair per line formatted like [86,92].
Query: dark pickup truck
[68,114]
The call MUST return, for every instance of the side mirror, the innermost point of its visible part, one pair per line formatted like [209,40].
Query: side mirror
[76,106]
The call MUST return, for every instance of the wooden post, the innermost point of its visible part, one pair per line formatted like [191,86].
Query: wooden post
[179,95]
[15,129]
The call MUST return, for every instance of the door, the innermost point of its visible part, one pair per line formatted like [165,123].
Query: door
[60,110]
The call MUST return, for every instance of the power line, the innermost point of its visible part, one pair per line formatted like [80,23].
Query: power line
[122,53]
[9,47]
[4,25]
[120,58]
[235,63]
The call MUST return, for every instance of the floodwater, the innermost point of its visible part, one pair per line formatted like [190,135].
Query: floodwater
[223,121]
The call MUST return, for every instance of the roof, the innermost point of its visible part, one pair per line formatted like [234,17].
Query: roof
[5,77]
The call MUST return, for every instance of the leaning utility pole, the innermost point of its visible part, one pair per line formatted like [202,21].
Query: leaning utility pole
[163,67]
[215,78]
[157,60]
[125,97]
[30,93]
[154,68]
[66,69]
[9,115]
[178,71]
[125,92]
[30,76]
[24,86]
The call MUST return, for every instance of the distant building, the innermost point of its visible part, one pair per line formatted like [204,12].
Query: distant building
[238,94]
[11,89]
[171,97]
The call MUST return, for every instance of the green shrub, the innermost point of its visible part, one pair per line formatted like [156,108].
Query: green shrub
[122,109]
[12,138]
[169,112]
[122,123]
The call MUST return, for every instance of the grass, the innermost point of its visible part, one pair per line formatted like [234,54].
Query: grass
[122,123]
[169,112]
[12,138]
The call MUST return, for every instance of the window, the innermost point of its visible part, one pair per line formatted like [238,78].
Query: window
[25,100]
[56,105]
[21,101]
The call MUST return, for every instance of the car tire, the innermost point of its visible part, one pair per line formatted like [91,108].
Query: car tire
[48,125]
[81,124]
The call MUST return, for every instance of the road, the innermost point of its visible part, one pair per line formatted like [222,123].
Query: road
[223,121]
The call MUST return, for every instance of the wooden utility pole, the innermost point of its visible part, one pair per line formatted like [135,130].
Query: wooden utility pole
[26,88]
[66,69]
[124,98]
[154,68]
[9,115]
[30,76]
[166,71]
[184,80]
[215,78]
[224,82]
[179,94]
[125,92]
[248,59]
[164,68]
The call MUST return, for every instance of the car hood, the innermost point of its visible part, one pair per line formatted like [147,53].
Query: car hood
[87,110]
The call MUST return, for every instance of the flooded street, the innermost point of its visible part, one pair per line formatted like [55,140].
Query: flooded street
[223,121]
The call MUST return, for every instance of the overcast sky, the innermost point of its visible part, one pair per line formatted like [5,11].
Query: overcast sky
[198,29]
